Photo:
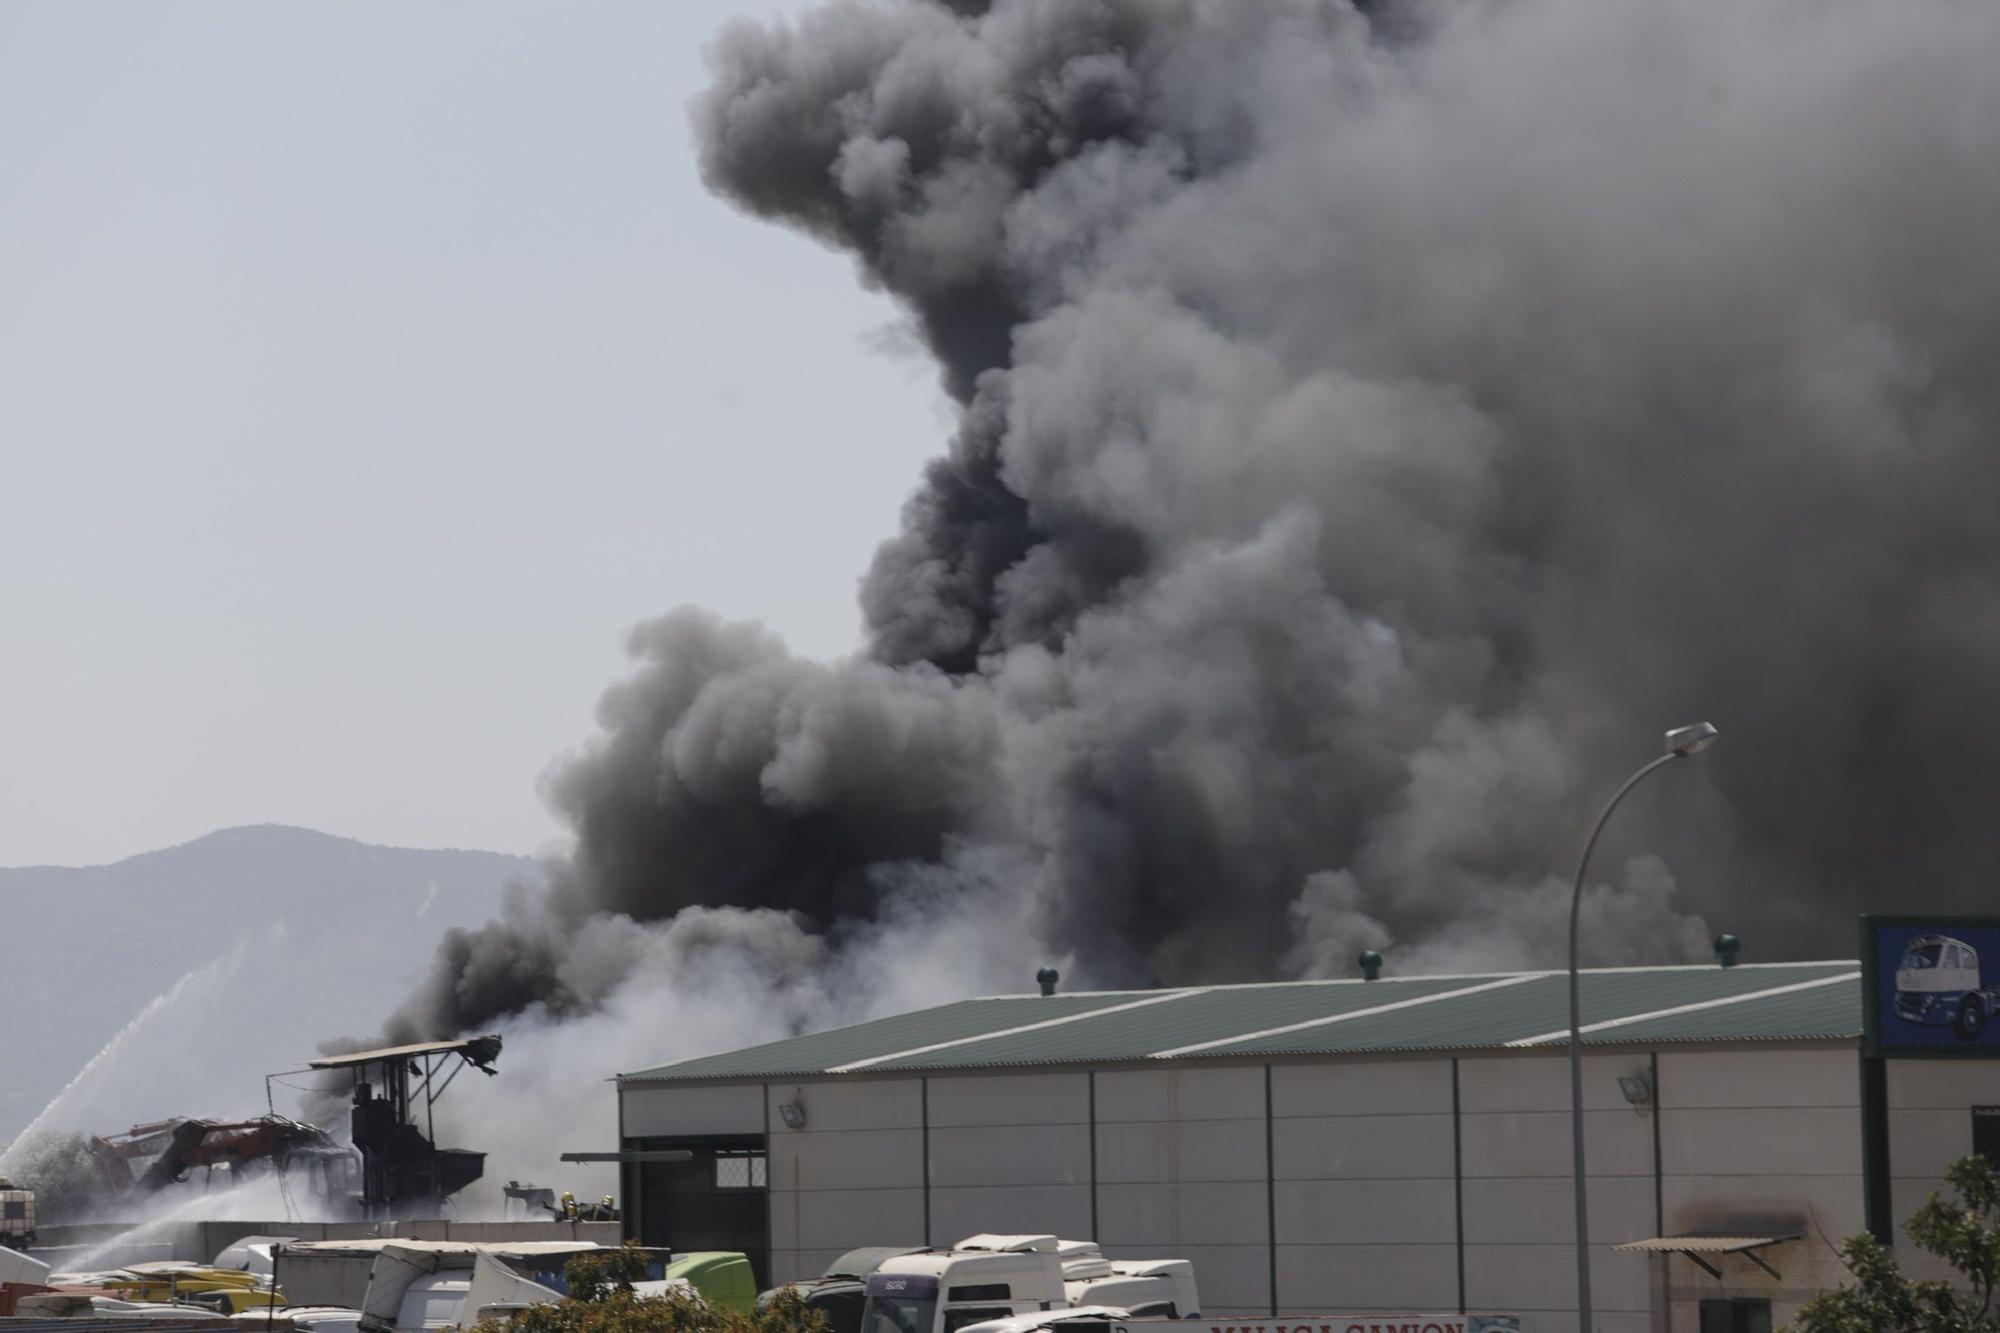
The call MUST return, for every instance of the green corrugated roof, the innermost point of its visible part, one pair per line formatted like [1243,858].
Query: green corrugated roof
[1768,1001]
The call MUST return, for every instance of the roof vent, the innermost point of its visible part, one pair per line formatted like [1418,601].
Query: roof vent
[1371,965]
[1048,976]
[1726,949]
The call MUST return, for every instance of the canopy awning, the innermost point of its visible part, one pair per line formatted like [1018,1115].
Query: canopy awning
[1695,1244]
[632,1155]
[478,1050]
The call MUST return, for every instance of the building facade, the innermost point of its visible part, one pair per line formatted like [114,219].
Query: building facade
[1397,1145]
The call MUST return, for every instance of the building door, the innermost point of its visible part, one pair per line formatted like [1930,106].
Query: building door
[1741,1315]
[719,1199]
[1986,1133]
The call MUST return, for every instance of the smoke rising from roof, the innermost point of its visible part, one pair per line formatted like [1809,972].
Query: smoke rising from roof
[1369,444]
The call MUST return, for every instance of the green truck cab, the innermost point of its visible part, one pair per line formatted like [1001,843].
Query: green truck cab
[723,1278]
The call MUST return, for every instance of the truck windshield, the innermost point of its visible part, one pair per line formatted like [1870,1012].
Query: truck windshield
[899,1314]
[1922,955]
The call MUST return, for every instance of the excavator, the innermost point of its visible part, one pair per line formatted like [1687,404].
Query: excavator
[152,1156]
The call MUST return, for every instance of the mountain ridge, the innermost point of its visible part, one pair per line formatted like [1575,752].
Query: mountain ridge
[269,938]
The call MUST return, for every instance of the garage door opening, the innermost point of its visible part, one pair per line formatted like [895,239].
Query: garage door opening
[718,1199]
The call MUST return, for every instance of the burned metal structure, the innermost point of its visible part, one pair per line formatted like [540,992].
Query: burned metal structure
[403,1171]
[152,1156]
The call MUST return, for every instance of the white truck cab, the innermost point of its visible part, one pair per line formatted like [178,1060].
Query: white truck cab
[1143,1288]
[1938,984]
[1029,1323]
[943,1292]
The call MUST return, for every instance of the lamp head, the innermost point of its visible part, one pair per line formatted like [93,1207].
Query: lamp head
[1684,741]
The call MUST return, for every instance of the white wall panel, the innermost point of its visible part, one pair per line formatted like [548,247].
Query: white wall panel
[1011,1155]
[1922,1143]
[654,1112]
[1361,1087]
[1063,1210]
[1181,1094]
[1160,1218]
[1541,1082]
[1184,1150]
[863,1104]
[1513,1278]
[1508,1210]
[1542,1143]
[1761,1141]
[1774,1077]
[1360,1212]
[1010,1099]
[1830,1203]
[1357,1278]
[843,1219]
[1363,1147]
[1943,1084]
[847,1159]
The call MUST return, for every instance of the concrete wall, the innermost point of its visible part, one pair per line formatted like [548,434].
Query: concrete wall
[1009,1153]
[1181,1174]
[1520,1203]
[854,1175]
[1930,1127]
[664,1112]
[1362,1157]
[1756,1141]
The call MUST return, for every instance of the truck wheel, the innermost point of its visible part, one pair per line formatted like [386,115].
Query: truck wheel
[1971,1017]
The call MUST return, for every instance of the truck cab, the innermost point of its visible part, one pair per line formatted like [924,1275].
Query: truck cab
[1142,1288]
[1938,983]
[943,1292]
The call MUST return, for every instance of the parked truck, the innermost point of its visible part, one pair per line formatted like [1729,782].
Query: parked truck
[987,1277]
[944,1291]
[1939,984]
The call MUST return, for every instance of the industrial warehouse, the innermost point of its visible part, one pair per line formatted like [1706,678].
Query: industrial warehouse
[1391,1144]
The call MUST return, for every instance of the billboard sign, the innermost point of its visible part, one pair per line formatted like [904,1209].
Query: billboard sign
[1931,985]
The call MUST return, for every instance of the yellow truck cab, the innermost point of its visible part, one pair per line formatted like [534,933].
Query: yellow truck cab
[227,1291]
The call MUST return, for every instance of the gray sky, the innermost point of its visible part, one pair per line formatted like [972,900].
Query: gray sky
[369,369]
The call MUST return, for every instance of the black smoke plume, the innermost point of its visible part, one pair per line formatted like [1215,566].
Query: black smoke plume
[1375,430]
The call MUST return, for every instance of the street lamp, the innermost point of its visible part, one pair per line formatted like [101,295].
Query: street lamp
[1681,742]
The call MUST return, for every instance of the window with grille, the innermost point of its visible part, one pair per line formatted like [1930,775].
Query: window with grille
[740,1171]
[1986,1133]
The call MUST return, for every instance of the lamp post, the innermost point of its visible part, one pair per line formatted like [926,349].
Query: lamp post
[1681,742]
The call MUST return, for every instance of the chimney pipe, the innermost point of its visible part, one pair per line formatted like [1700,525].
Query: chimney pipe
[1048,976]
[1726,948]
[1371,965]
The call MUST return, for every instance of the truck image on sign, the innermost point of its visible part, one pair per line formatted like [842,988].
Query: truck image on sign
[1938,984]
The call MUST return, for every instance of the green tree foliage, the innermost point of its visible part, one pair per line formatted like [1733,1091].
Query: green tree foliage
[601,1301]
[1965,1233]
[595,1275]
